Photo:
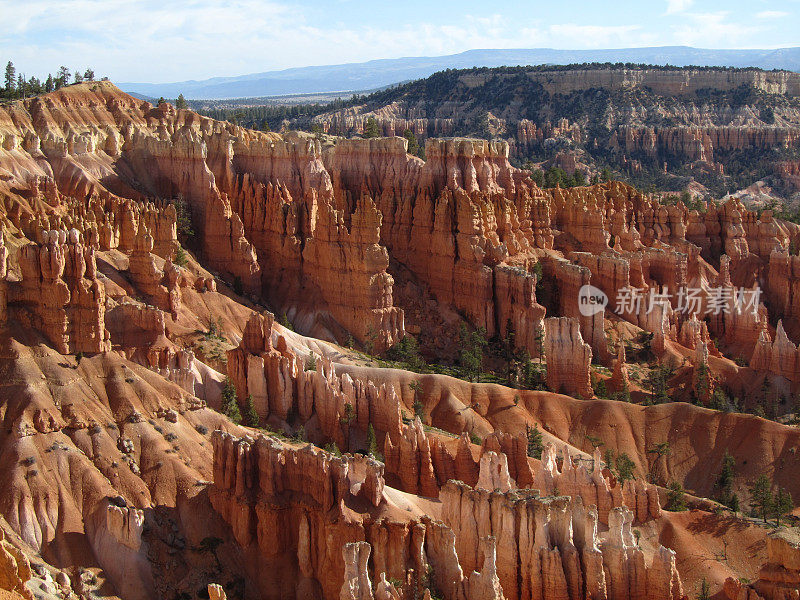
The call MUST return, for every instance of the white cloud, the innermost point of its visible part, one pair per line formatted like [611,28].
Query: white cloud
[162,41]
[157,41]
[772,14]
[573,35]
[678,6]
[712,30]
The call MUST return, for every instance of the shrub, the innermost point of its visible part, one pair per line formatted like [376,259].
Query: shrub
[284,321]
[333,449]
[311,362]
[181,258]
[419,409]
[348,416]
[230,407]
[470,354]
[372,443]
[299,436]
[676,498]
[406,351]
[250,416]
[535,443]
[625,468]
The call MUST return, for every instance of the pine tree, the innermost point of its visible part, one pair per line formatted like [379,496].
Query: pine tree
[470,355]
[11,77]
[180,102]
[625,468]
[413,144]
[783,504]
[417,405]
[49,85]
[661,449]
[230,407]
[372,443]
[725,482]
[88,75]
[705,591]
[676,500]
[761,496]
[371,128]
[181,258]
[535,443]
[78,77]
[725,479]
[62,77]
[608,458]
[250,416]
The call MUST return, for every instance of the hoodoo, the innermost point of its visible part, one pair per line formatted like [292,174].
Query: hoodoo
[246,364]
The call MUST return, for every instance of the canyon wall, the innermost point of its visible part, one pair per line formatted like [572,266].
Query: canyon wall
[524,545]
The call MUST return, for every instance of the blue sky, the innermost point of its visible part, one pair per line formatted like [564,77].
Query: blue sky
[161,41]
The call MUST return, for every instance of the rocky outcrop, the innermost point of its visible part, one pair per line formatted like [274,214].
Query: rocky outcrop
[619,380]
[778,578]
[515,448]
[216,592]
[157,284]
[779,356]
[782,290]
[409,461]
[60,294]
[3,280]
[357,585]
[568,358]
[115,533]
[485,584]
[313,228]
[595,486]
[421,462]
[468,206]
[103,219]
[228,183]
[549,547]
[279,383]
[493,473]
[15,570]
[245,469]
[283,502]
[675,125]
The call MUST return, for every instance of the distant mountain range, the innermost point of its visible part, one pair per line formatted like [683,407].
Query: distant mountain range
[378,73]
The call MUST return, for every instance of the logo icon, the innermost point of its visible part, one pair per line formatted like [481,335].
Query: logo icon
[591,300]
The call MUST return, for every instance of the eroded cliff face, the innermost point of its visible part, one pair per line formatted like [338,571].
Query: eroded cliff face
[676,119]
[254,200]
[316,229]
[779,577]
[512,543]
[549,547]
[105,338]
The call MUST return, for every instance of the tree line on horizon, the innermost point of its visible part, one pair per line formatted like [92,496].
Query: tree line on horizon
[18,86]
